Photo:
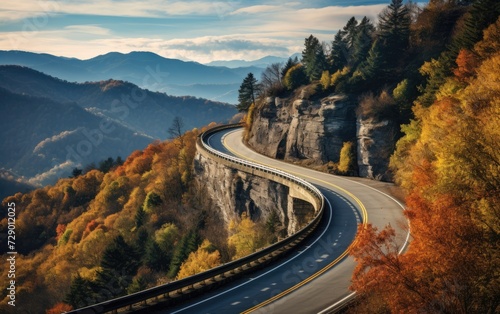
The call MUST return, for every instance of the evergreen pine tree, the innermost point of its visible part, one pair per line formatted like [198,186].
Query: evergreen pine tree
[362,41]
[394,33]
[80,293]
[338,53]
[247,93]
[313,58]
[155,258]
[188,243]
[349,32]
[119,264]
[140,217]
[290,63]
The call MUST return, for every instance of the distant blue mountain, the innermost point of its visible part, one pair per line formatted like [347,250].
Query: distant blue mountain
[260,63]
[145,69]
[51,125]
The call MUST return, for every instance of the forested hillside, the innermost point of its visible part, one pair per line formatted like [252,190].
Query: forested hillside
[113,231]
[52,126]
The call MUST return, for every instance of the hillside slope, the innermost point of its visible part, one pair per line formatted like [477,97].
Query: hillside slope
[52,125]
[43,139]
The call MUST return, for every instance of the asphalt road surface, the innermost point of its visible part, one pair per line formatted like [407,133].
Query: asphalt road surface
[317,275]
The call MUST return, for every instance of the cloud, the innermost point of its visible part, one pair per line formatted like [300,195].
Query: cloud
[51,175]
[207,48]
[218,30]
[13,10]
[88,29]
[53,139]
[258,9]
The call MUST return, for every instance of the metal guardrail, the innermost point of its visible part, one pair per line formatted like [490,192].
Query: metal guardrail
[239,266]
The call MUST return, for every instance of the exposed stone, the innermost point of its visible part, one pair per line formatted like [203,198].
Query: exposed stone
[376,141]
[303,129]
[299,128]
[235,192]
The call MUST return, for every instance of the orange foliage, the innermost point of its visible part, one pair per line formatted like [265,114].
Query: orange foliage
[59,308]
[448,163]
[60,230]
[466,65]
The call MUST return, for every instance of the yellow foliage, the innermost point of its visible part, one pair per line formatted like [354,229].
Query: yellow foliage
[325,80]
[449,89]
[491,41]
[347,158]
[338,75]
[245,237]
[200,260]
[428,68]
[249,121]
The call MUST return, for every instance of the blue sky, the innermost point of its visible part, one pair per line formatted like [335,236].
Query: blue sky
[196,30]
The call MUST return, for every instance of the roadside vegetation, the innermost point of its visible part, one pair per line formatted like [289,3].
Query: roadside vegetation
[434,70]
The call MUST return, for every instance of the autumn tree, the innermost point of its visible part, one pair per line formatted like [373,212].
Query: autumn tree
[204,258]
[347,161]
[480,15]
[59,308]
[245,237]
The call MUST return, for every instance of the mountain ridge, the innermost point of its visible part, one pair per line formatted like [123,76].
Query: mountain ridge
[145,69]
[53,125]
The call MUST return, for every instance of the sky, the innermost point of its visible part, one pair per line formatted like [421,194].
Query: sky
[196,30]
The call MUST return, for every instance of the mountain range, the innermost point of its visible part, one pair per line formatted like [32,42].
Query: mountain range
[51,126]
[260,63]
[218,81]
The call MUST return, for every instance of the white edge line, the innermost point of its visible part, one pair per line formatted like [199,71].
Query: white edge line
[261,275]
[405,244]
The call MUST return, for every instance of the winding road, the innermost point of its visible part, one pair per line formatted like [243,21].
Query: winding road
[317,275]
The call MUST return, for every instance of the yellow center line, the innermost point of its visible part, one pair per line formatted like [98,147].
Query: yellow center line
[327,267]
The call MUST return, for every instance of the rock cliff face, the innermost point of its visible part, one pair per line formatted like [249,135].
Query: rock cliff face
[295,129]
[303,129]
[375,145]
[235,192]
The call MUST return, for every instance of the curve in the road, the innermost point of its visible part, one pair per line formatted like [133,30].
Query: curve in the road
[318,274]
[232,142]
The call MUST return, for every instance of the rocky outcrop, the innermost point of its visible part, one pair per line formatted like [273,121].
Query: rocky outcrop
[375,145]
[235,192]
[303,129]
[299,128]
